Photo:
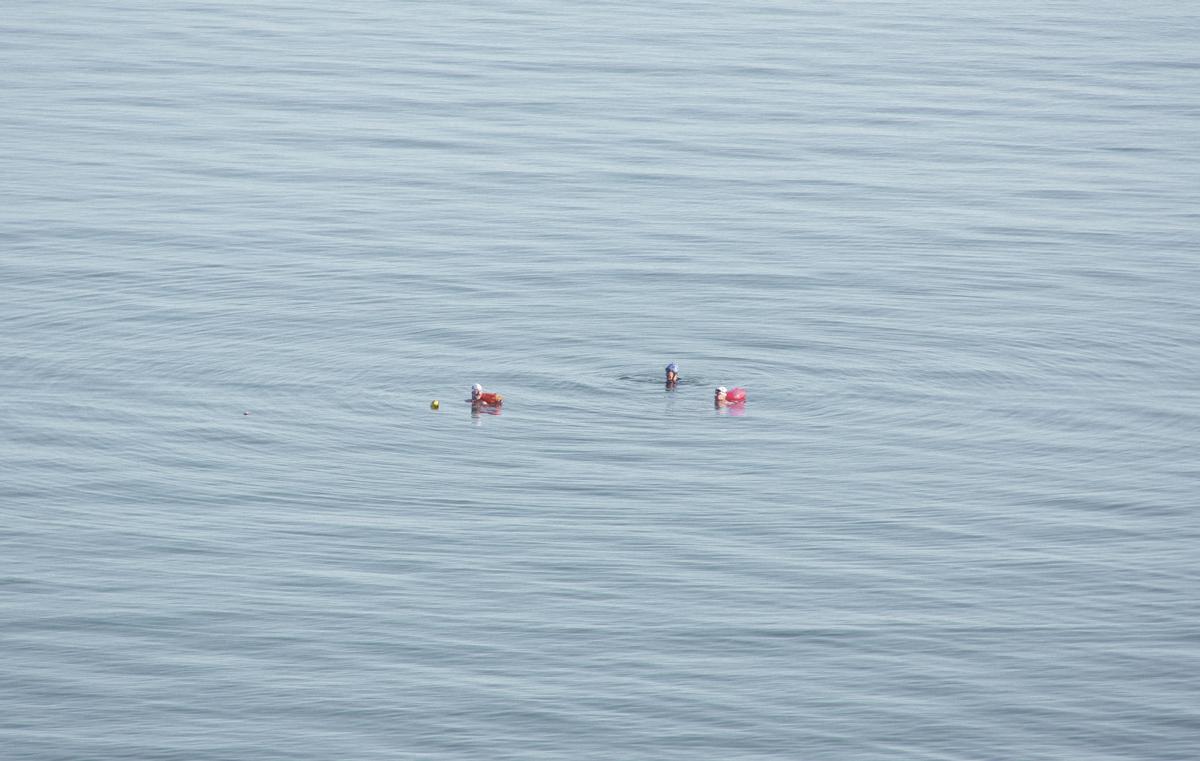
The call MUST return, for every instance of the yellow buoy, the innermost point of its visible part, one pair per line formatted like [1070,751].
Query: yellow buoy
[434,404]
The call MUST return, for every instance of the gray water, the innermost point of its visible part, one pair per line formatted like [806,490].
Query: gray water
[950,249]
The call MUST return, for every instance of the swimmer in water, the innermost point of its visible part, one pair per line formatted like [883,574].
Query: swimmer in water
[729,397]
[481,398]
[672,375]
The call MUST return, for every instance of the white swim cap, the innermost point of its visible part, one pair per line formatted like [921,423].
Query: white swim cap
[721,389]
[477,387]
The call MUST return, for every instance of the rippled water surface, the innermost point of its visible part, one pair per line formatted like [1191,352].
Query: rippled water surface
[950,249]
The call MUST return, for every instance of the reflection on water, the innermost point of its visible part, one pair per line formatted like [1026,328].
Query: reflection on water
[483,409]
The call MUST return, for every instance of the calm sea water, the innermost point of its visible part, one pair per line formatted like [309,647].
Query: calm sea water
[950,249]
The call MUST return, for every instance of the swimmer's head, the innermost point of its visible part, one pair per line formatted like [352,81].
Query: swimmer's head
[672,372]
[719,394]
[476,391]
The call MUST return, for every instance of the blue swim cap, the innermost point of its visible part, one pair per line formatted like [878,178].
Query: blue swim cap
[672,368]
